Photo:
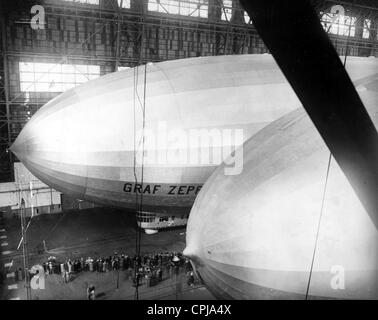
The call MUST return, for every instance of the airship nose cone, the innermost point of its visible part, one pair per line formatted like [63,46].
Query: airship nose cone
[40,145]
[28,139]
[18,148]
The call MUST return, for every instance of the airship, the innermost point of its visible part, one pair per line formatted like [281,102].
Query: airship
[290,226]
[137,131]
[157,130]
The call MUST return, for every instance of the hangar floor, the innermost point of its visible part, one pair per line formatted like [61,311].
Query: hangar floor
[90,233]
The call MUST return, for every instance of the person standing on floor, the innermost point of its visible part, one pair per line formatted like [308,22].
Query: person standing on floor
[50,267]
[91,292]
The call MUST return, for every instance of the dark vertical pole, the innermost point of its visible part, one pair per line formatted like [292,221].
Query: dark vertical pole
[25,250]
[51,200]
[117,278]
[118,35]
[6,87]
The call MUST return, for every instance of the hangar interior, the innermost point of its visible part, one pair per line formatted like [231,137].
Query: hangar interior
[82,40]
[86,39]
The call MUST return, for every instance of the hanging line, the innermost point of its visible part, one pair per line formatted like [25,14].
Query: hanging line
[136,295]
[319,223]
[139,199]
[139,204]
[347,43]
[326,182]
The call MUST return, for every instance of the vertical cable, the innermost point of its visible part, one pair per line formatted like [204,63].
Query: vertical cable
[347,43]
[325,186]
[139,205]
[319,222]
[136,296]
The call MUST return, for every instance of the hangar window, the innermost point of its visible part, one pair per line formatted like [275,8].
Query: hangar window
[85,1]
[247,19]
[367,26]
[339,24]
[124,4]
[226,10]
[191,8]
[51,77]
[122,68]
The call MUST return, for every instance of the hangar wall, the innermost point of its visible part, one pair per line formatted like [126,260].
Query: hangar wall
[39,198]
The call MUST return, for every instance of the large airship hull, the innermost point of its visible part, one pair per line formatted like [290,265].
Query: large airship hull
[87,142]
[290,226]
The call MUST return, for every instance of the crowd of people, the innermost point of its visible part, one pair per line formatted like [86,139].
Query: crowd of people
[148,268]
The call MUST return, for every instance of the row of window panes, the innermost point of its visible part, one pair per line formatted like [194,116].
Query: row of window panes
[367,26]
[199,8]
[193,8]
[342,25]
[46,86]
[147,220]
[339,25]
[228,15]
[58,68]
[56,77]
[161,219]
[226,10]
[41,77]
[143,217]
[125,3]
[85,1]
[146,216]
[122,68]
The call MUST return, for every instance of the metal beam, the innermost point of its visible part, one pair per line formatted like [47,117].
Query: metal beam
[119,20]
[6,86]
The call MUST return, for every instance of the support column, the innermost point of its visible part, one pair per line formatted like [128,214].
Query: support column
[7,140]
